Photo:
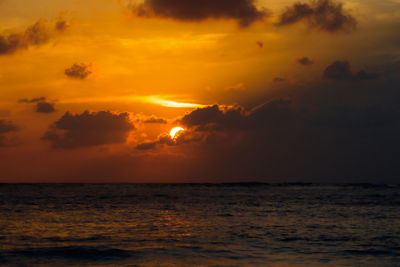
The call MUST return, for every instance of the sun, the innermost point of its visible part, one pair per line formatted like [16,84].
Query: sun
[173,133]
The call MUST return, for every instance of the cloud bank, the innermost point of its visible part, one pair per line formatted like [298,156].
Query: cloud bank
[244,11]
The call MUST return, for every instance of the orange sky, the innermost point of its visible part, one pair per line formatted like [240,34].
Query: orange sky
[272,68]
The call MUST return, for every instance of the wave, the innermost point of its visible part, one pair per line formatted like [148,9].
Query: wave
[374,252]
[74,252]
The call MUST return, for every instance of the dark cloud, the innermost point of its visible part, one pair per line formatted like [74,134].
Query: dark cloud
[4,113]
[236,118]
[340,70]
[146,145]
[45,107]
[325,15]
[270,114]
[61,25]
[78,71]
[279,79]
[218,119]
[42,106]
[260,44]
[281,139]
[363,75]
[33,100]
[203,116]
[347,117]
[155,120]
[244,11]
[34,35]
[305,61]
[6,127]
[163,139]
[89,129]
[185,137]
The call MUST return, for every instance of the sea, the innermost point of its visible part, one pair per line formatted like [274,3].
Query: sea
[238,224]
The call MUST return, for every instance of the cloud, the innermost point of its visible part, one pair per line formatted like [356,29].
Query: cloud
[33,100]
[363,75]
[279,79]
[225,118]
[236,88]
[340,70]
[305,61]
[202,121]
[61,25]
[78,71]
[45,107]
[146,145]
[162,139]
[184,137]
[288,139]
[42,106]
[6,127]
[89,129]
[155,120]
[203,116]
[280,113]
[244,11]
[324,15]
[34,35]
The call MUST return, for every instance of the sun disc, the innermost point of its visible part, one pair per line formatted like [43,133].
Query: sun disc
[174,131]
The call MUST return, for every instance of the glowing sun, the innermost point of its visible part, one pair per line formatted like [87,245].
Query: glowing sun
[175,131]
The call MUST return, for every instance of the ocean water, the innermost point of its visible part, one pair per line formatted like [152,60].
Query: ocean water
[199,225]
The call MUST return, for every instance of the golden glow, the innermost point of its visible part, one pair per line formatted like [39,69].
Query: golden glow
[171,104]
[175,132]
[157,100]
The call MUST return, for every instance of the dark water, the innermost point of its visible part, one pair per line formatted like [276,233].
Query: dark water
[199,225]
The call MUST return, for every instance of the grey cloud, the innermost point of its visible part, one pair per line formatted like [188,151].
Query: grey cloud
[236,118]
[45,107]
[78,71]
[89,129]
[363,75]
[6,127]
[42,106]
[279,79]
[61,25]
[305,61]
[163,139]
[33,100]
[325,15]
[155,120]
[320,141]
[34,35]
[185,137]
[340,70]
[244,11]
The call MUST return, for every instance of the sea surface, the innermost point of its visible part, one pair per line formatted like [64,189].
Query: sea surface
[248,224]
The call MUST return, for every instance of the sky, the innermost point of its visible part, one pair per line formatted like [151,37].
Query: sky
[268,90]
